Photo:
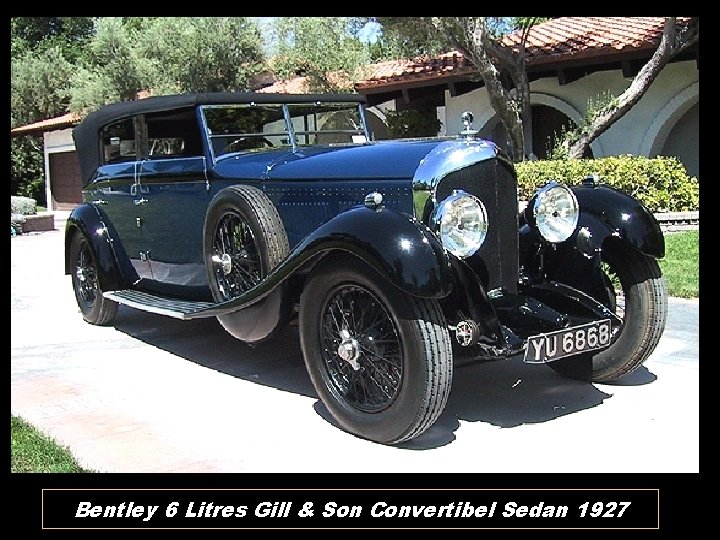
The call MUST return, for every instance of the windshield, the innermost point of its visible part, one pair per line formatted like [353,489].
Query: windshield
[251,127]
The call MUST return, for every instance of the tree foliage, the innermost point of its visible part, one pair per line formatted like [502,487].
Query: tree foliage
[71,34]
[39,85]
[42,52]
[201,54]
[83,63]
[115,69]
[318,46]
[166,55]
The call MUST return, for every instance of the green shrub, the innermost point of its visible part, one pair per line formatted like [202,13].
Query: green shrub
[22,205]
[34,189]
[662,184]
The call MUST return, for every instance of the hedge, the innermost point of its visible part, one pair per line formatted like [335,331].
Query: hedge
[662,184]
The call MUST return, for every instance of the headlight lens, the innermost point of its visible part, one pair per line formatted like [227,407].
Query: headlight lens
[461,222]
[556,212]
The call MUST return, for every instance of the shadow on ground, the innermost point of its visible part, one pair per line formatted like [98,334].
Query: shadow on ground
[506,393]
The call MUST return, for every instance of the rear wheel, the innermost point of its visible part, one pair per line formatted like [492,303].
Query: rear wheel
[379,359]
[95,308]
[637,294]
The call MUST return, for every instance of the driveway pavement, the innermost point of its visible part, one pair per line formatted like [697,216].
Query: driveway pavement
[154,394]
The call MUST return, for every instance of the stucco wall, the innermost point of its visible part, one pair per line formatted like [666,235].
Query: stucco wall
[643,130]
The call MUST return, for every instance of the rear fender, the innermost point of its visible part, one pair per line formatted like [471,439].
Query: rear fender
[87,220]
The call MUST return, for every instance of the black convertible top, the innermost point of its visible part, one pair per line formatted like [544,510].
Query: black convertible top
[87,132]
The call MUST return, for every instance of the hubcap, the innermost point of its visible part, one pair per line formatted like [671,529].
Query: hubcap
[349,349]
[225,262]
[235,257]
[361,349]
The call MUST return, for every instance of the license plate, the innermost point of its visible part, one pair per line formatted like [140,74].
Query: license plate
[567,342]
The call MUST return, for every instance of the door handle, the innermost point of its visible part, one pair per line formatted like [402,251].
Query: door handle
[140,202]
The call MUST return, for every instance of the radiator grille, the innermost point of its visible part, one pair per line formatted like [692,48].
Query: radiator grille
[494,183]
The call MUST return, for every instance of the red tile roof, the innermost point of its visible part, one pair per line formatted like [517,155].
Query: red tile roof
[301,84]
[558,40]
[296,85]
[583,37]
[65,121]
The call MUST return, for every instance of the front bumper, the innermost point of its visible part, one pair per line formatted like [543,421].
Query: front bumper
[537,313]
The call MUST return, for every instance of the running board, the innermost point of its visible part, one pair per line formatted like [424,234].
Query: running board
[179,309]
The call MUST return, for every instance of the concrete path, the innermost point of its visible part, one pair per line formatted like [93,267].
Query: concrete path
[153,394]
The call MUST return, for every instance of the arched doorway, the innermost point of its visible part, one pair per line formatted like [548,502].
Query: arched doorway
[547,123]
[675,130]
[683,140]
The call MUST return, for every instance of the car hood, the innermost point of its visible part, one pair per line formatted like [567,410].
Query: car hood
[381,160]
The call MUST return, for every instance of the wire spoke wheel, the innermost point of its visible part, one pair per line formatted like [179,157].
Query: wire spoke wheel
[86,285]
[380,359]
[235,252]
[95,308]
[361,348]
[244,240]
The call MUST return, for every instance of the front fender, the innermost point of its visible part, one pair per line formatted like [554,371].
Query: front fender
[87,220]
[404,251]
[605,212]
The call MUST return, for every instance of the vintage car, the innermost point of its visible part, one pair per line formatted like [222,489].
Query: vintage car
[396,258]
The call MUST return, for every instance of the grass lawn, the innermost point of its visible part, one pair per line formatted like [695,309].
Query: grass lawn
[34,452]
[680,267]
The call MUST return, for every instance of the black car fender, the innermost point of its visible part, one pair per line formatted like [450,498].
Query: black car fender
[606,215]
[87,220]
[401,249]
[605,212]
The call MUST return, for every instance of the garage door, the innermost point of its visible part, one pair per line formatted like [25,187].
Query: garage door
[65,182]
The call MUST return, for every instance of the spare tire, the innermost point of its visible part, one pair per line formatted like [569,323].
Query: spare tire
[244,239]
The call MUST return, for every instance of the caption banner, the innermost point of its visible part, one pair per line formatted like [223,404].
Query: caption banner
[352,508]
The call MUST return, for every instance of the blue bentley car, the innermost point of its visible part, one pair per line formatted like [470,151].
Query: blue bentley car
[396,258]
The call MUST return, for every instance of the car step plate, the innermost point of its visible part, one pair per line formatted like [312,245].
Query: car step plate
[552,346]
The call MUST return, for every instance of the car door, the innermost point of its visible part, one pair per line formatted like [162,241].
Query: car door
[175,197]
[115,192]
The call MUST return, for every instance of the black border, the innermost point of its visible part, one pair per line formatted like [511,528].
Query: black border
[681,506]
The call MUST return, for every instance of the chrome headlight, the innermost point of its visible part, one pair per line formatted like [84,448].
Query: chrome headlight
[461,222]
[556,212]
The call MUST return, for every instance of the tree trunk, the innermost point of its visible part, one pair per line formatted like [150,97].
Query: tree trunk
[671,43]
[470,36]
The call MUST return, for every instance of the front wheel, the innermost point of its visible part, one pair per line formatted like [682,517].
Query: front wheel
[95,308]
[379,359]
[637,295]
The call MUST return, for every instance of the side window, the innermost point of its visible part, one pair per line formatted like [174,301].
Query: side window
[245,128]
[118,141]
[173,134]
